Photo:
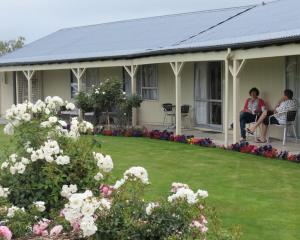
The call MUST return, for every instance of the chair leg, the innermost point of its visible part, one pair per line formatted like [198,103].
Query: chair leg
[284,135]
[164,122]
[295,133]
[268,134]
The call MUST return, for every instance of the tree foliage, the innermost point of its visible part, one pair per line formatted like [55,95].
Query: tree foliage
[11,45]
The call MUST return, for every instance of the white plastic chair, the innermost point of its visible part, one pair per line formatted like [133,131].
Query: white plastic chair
[291,115]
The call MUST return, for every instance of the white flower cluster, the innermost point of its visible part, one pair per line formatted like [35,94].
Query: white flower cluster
[40,206]
[104,163]
[19,112]
[184,193]
[133,174]
[50,152]
[98,176]
[81,209]
[70,106]
[150,208]
[54,103]
[137,173]
[23,112]
[176,185]
[4,192]
[12,210]
[79,127]
[68,190]
[9,129]
[15,165]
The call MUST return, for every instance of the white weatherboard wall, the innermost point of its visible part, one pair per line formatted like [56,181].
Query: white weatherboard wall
[6,94]
[151,111]
[57,83]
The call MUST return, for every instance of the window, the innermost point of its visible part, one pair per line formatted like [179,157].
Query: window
[147,82]
[74,85]
[208,94]
[36,87]
[89,80]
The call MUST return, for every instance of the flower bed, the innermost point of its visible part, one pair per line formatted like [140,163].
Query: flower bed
[244,147]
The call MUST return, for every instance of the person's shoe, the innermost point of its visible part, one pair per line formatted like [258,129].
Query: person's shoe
[249,131]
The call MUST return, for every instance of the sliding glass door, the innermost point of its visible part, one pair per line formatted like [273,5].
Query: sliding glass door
[293,82]
[208,95]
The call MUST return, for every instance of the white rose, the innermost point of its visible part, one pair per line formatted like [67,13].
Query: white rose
[25,161]
[88,227]
[26,117]
[4,165]
[70,106]
[52,119]
[40,206]
[98,176]
[202,193]
[8,129]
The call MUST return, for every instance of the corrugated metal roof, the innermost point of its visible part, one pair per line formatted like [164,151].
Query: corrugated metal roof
[276,20]
[119,38]
[171,33]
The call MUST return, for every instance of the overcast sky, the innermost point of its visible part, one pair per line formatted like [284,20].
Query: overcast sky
[36,18]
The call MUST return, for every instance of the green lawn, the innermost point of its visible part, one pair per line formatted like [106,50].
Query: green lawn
[260,194]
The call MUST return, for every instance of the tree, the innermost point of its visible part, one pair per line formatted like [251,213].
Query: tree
[11,45]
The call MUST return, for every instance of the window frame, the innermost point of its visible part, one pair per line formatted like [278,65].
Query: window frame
[140,79]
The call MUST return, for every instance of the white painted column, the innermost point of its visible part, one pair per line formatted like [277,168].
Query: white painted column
[226,102]
[235,110]
[17,87]
[177,68]
[132,71]
[78,73]
[29,74]
[237,69]
[178,102]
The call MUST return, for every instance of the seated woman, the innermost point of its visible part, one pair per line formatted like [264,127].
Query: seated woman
[285,103]
[253,106]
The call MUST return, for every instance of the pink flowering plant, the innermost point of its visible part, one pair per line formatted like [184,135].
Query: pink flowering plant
[55,183]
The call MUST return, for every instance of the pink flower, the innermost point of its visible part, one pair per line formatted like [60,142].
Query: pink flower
[56,230]
[106,190]
[76,225]
[203,219]
[5,233]
[40,229]
[203,229]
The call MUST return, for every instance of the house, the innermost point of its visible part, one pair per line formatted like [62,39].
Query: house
[207,59]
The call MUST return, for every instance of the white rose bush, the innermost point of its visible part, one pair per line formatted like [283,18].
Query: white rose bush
[55,183]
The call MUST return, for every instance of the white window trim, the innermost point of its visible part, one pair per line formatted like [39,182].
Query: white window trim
[149,88]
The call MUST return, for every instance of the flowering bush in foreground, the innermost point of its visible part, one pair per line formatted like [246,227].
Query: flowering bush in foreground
[54,183]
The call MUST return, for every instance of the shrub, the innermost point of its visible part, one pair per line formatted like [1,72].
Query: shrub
[85,102]
[53,183]
[45,154]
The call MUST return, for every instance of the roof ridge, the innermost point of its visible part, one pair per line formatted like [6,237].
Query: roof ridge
[217,24]
[228,19]
[158,16]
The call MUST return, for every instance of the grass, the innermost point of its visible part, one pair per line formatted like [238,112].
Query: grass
[262,195]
